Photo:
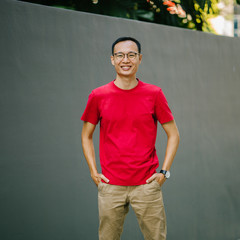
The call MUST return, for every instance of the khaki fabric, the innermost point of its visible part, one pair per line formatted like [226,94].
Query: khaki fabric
[147,203]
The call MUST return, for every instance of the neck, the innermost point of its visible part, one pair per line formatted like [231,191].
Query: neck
[126,83]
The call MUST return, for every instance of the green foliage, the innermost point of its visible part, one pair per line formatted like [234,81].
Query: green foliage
[191,14]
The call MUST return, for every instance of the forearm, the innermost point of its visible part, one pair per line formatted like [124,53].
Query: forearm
[89,153]
[171,150]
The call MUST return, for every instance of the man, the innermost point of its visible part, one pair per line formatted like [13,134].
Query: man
[128,110]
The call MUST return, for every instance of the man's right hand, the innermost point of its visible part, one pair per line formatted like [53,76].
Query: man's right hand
[98,177]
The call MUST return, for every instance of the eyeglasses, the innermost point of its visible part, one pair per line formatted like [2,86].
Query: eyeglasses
[130,55]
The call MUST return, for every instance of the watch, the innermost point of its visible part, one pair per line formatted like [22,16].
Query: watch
[165,173]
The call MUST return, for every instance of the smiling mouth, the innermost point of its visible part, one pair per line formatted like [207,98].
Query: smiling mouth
[125,68]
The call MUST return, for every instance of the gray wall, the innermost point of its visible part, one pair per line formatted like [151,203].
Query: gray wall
[50,60]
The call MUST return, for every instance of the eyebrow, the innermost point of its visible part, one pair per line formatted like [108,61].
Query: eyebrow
[126,53]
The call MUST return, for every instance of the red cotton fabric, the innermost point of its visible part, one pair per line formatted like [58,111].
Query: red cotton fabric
[128,130]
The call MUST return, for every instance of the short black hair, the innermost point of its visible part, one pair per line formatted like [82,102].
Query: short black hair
[123,39]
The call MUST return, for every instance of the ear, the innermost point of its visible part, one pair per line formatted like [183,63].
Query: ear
[140,58]
[112,60]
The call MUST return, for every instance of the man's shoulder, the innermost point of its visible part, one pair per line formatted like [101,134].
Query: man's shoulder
[151,87]
[101,90]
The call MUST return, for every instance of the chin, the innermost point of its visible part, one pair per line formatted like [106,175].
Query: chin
[130,73]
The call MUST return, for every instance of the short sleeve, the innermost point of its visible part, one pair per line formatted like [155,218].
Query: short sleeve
[162,110]
[91,112]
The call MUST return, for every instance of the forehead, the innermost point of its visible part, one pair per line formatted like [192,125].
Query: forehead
[126,46]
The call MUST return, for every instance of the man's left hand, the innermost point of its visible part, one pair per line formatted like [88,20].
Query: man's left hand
[159,177]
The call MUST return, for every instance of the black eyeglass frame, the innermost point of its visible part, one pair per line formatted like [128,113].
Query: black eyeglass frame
[124,54]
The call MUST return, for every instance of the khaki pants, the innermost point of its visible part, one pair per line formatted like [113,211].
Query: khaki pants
[147,203]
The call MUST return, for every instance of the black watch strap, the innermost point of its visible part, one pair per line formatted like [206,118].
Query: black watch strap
[163,172]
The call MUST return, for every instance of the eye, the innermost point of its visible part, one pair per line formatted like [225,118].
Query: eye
[119,55]
[131,55]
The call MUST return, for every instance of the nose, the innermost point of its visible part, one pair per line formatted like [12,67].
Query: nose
[125,58]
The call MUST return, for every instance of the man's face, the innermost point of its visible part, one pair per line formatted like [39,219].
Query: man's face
[126,65]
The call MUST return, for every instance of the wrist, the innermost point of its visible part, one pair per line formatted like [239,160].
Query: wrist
[165,173]
[94,174]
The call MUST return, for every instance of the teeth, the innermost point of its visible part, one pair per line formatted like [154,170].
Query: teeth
[125,68]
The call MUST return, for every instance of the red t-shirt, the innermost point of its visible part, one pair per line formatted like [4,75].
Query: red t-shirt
[128,130]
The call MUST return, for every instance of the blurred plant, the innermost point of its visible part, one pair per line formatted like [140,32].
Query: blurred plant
[191,14]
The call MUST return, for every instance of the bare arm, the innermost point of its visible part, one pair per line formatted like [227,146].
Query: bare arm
[89,152]
[172,144]
[171,130]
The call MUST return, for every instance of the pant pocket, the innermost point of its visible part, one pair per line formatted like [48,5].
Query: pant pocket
[157,184]
[100,186]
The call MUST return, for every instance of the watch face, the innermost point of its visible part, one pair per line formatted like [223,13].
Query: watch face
[167,175]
